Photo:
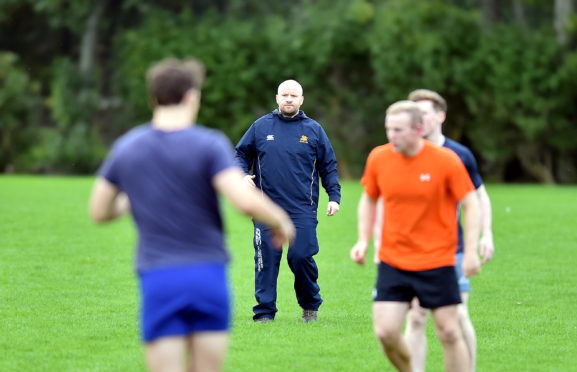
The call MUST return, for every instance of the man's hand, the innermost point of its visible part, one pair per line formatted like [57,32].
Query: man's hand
[249,180]
[376,257]
[486,248]
[471,265]
[358,252]
[283,234]
[332,208]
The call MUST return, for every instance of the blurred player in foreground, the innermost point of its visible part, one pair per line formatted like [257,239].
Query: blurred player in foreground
[167,173]
[421,185]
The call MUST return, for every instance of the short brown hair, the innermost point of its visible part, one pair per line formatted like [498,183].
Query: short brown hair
[439,103]
[410,108]
[170,79]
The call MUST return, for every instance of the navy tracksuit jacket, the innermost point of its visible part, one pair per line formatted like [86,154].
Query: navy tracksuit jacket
[287,156]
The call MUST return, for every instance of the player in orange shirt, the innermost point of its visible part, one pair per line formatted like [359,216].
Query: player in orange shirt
[421,185]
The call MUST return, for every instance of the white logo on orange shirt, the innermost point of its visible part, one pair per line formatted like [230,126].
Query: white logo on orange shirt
[425,177]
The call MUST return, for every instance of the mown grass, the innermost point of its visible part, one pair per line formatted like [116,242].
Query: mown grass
[68,299]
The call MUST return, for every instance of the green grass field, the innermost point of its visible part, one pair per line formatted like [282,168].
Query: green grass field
[68,299]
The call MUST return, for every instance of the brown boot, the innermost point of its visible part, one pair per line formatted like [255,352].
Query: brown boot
[309,316]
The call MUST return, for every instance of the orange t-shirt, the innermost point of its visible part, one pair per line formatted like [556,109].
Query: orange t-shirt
[420,196]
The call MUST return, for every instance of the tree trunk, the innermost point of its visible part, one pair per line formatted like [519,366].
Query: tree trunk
[537,162]
[519,12]
[563,12]
[90,38]
[490,9]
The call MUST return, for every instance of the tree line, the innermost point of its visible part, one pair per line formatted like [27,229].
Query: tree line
[72,74]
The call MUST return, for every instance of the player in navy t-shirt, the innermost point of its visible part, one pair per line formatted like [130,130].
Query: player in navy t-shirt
[434,108]
[168,173]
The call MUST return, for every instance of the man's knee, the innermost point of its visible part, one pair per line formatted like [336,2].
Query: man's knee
[298,259]
[387,336]
[449,333]
[417,319]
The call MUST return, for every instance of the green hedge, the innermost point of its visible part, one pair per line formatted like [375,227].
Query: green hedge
[510,90]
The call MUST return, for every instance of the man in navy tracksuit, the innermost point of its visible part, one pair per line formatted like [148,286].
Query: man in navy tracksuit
[283,153]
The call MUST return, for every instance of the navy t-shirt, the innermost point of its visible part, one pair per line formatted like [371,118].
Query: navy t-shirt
[167,176]
[470,163]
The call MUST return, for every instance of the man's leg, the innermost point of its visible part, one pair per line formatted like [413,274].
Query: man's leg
[302,264]
[208,351]
[463,311]
[388,319]
[468,330]
[416,335]
[175,302]
[166,354]
[451,337]
[267,265]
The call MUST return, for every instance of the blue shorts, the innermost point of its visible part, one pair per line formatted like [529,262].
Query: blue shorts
[434,288]
[178,301]
[464,283]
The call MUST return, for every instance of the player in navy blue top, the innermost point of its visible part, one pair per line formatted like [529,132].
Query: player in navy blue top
[284,153]
[168,173]
[434,108]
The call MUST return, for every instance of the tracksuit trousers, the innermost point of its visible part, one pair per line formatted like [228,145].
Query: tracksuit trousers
[300,259]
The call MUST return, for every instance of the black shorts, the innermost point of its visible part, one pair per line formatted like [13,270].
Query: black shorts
[434,288]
